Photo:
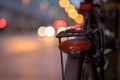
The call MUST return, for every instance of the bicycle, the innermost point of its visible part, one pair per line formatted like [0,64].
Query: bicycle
[86,58]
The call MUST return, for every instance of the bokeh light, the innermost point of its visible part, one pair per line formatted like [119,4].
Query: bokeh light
[79,19]
[78,27]
[61,29]
[49,31]
[41,31]
[72,13]
[64,3]
[25,2]
[68,7]
[44,4]
[59,23]
[3,23]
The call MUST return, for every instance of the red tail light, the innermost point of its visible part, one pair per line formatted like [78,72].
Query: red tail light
[74,46]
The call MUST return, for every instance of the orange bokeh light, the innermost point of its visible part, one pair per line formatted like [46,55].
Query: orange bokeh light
[79,19]
[72,13]
[68,7]
[64,3]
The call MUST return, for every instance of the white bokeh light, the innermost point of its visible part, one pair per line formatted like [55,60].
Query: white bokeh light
[41,31]
[61,29]
[49,31]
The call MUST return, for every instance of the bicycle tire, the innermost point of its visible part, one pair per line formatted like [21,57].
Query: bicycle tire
[87,72]
[110,67]
[76,69]
[71,70]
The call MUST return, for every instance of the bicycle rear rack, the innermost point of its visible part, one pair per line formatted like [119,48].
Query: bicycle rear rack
[78,33]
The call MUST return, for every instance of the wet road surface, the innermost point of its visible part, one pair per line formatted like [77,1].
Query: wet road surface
[29,57]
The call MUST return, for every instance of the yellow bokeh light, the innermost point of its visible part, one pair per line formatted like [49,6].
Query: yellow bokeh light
[41,31]
[68,7]
[72,13]
[64,3]
[49,31]
[79,19]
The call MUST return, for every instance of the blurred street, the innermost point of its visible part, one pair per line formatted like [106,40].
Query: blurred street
[29,57]
[28,46]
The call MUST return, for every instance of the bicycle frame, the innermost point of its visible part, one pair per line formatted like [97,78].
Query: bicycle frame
[95,54]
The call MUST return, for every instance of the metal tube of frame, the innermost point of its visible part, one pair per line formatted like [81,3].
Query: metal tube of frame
[100,34]
[62,66]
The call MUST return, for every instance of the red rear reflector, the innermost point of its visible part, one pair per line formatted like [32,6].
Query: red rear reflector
[74,45]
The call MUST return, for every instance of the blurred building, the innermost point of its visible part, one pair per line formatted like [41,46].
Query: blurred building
[28,15]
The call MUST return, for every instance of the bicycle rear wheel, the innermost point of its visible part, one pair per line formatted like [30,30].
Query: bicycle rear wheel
[77,69]
[87,72]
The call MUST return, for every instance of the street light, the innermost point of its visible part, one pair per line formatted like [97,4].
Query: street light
[49,31]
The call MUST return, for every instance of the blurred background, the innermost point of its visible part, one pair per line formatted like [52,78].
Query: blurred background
[27,53]
[28,15]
